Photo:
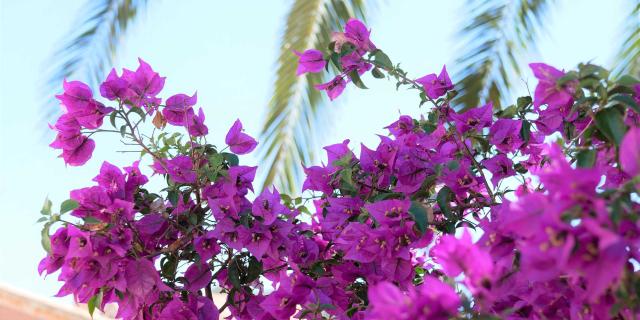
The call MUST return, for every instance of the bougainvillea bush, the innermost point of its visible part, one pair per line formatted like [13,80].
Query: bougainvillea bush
[525,212]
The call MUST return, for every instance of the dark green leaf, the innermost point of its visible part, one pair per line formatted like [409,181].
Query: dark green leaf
[625,100]
[382,59]
[523,102]
[443,199]
[610,122]
[123,130]
[234,274]
[453,165]
[420,215]
[384,196]
[172,196]
[335,59]
[586,158]
[507,113]
[627,80]
[570,76]
[231,158]
[355,78]
[377,73]
[112,118]
[68,205]
[255,269]
[520,168]
[138,111]
[525,131]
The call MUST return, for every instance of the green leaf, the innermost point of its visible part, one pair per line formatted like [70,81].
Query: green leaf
[384,196]
[591,70]
[123,130]
[94,302]
[46,207]
[216,160]
[523,102]
[496,40]
[525,131]
[420,215]
[335,59]
[586,158]
[91,220]
[90,45]
[231,158]
[68,205]
[112,118]
[289,131]
[443,199]
[346,180]
[610,122]
[355,78]
[344,161]
[254,270]
[382,59]
[234,274]
[42,219]
[453,165]
[625,100]
[508,112]
[627,80]
[139,111]
[45,238]
[570,76]
[377,73]
[172,196]
[520,168]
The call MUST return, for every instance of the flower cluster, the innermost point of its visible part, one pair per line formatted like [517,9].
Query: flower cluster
[557,223]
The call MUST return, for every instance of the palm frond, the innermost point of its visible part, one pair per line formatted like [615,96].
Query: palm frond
[291,127]
[495,41]
[628,59]
[91,45]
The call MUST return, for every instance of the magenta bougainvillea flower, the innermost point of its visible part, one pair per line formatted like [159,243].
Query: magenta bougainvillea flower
[357,33]
[548,91]
[431,300]
[474,119]
[505,134]
[334,87]
[178,110]
[310,61]
[238,141]
[383,232]
[500,166]
[629,152]
[436,86]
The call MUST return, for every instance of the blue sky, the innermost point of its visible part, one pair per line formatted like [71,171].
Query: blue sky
[226,51]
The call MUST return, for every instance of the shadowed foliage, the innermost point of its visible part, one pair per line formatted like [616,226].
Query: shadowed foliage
[494,43]
[629,54]
[290,130]
[495,40]
[92,43]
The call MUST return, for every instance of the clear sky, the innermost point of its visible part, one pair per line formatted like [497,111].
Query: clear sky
[226,51]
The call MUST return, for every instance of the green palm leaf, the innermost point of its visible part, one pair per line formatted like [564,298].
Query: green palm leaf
[291,127]
[91,45]
[495,42]
[629,54]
